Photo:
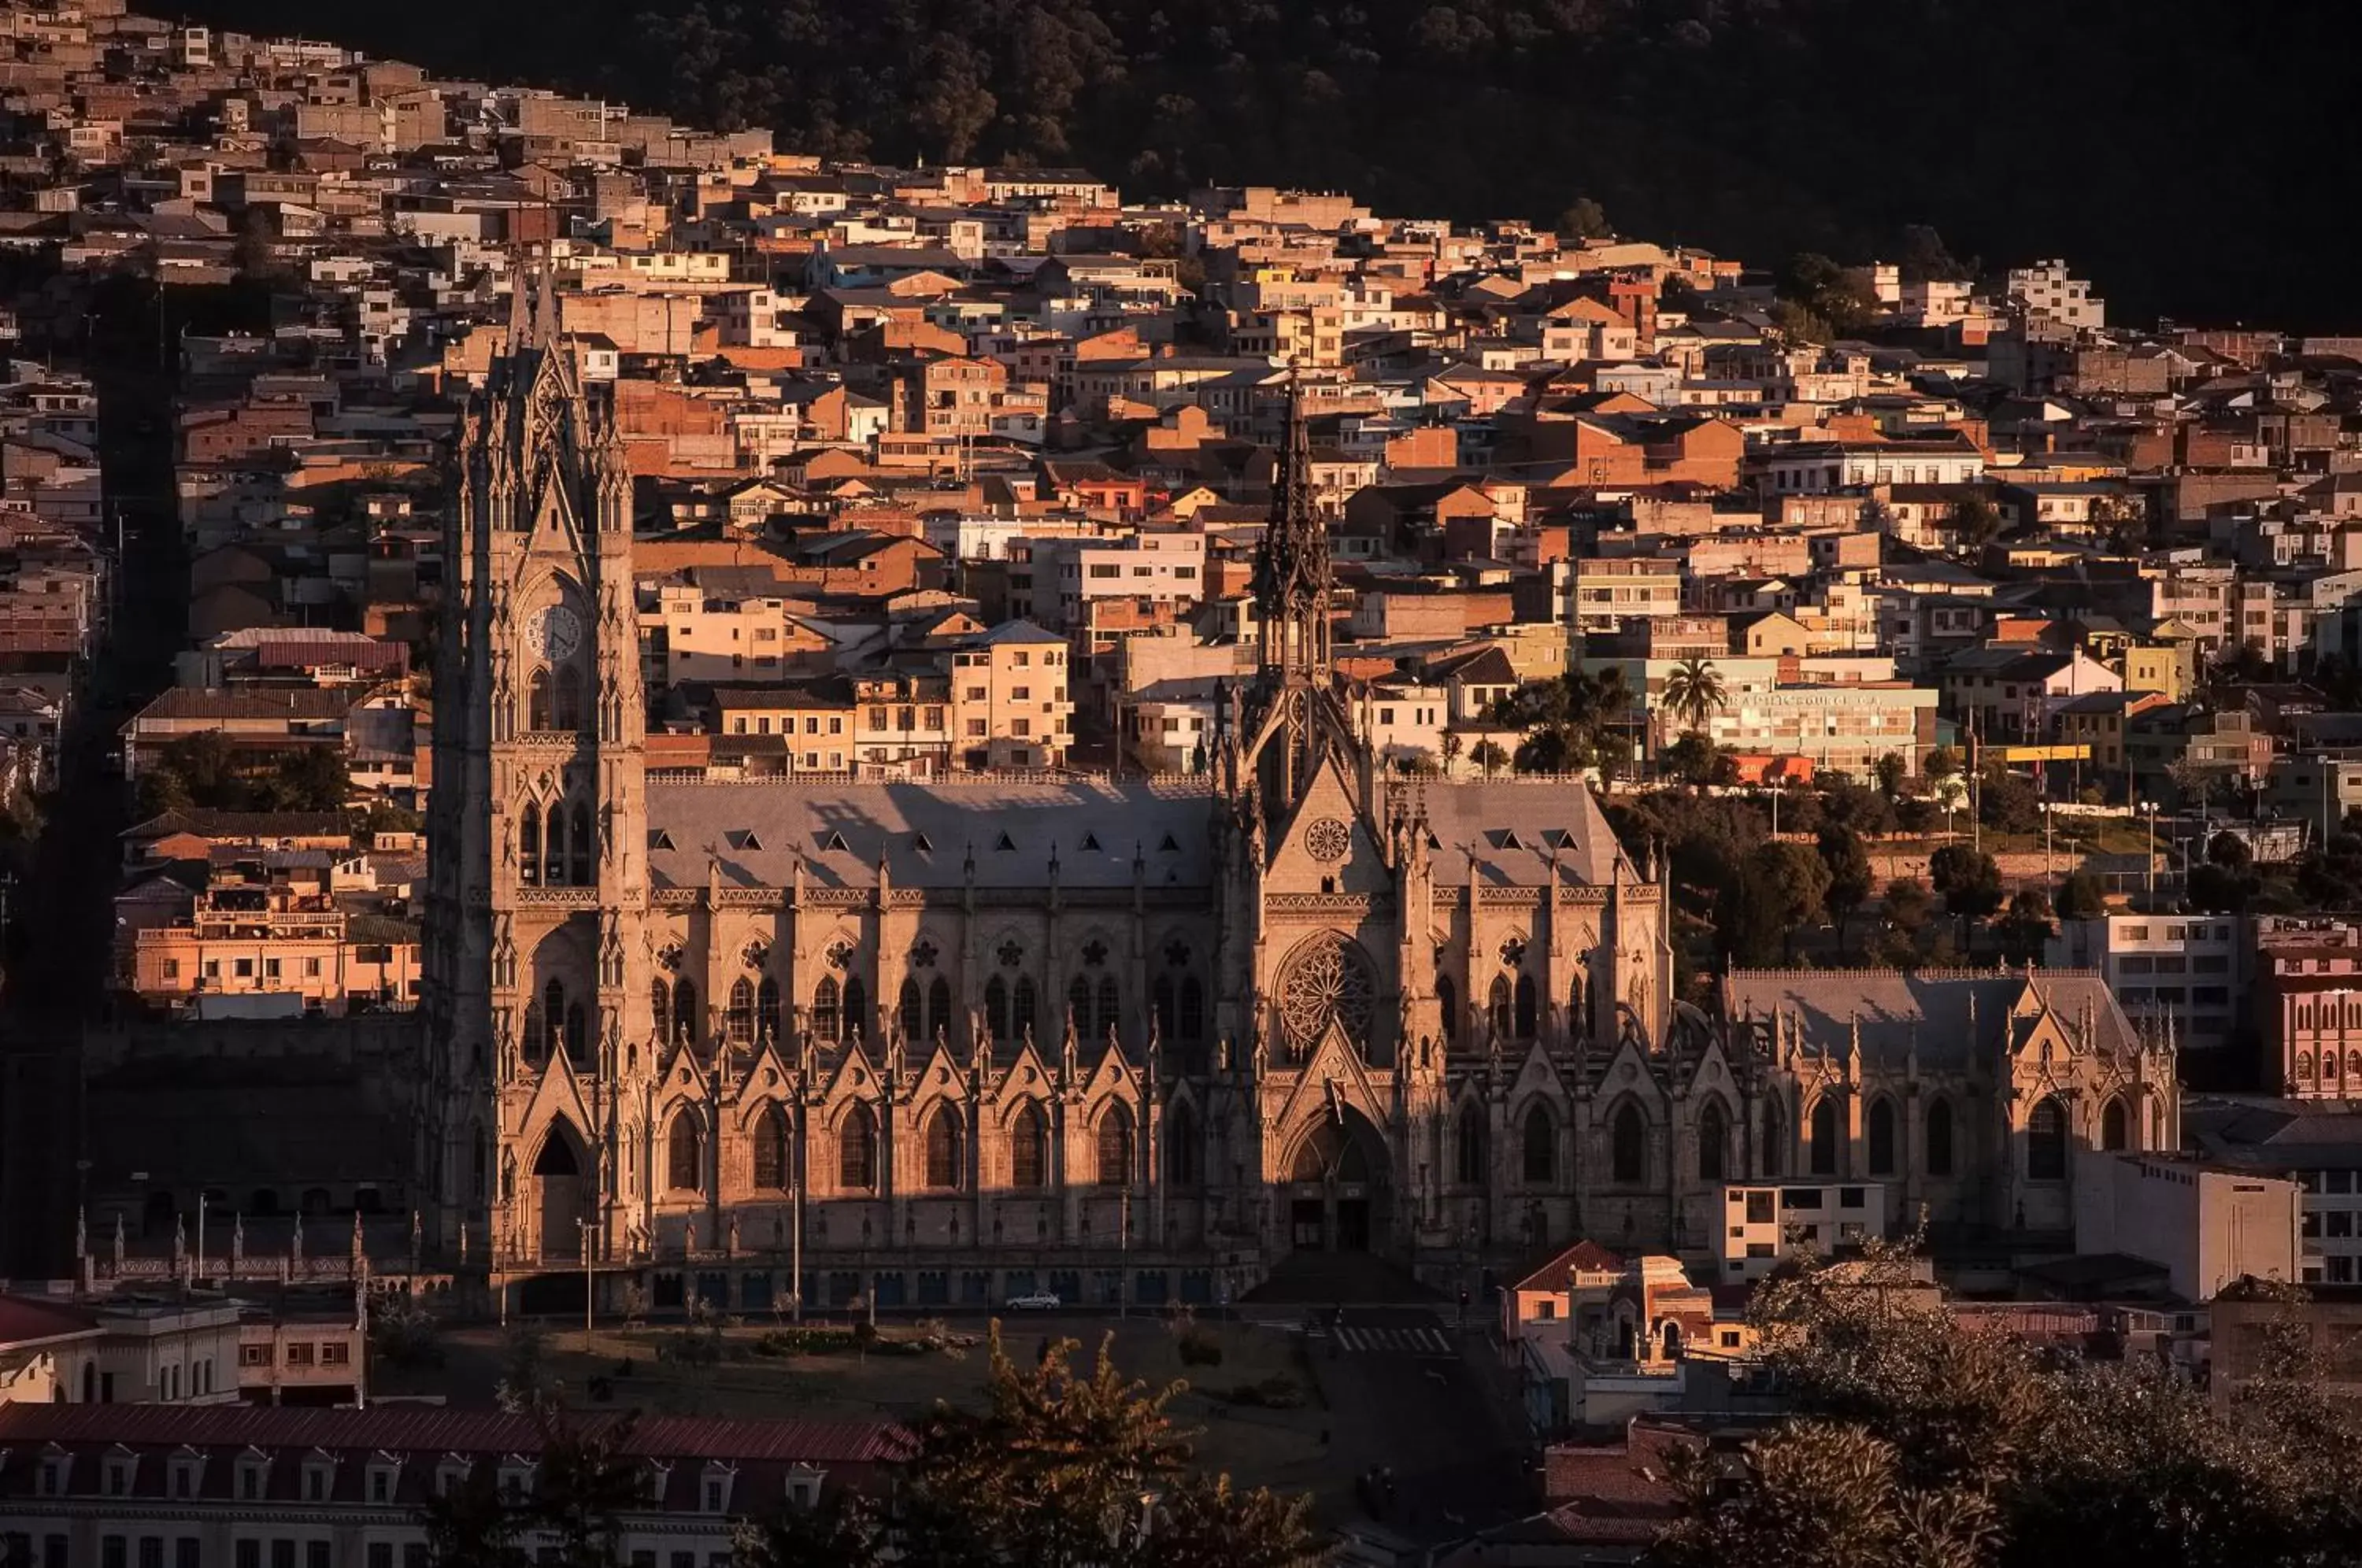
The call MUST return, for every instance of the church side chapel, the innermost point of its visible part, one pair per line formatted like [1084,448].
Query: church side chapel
[1141,1038]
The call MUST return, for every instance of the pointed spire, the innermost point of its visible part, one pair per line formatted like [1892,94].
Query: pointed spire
[545,301]
[520,324]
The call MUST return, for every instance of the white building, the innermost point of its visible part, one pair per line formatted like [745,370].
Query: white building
[1069,574]
[1763,1225]
[2046,290]
[2193,969]
[2206,1224]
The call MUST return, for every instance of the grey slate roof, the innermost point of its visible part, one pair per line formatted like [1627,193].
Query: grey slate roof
[1894,1007]
[793,817]
[840,830]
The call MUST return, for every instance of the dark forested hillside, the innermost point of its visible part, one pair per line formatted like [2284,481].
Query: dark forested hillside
[2190,158]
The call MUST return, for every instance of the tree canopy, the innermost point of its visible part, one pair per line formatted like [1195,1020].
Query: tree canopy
[1922,1441]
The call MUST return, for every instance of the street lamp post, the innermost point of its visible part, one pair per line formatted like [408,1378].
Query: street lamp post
[2149,810]
[590,1294]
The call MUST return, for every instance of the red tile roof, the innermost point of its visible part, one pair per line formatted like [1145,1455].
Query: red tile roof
[23,1321]
[1587,1255]
[429,1428]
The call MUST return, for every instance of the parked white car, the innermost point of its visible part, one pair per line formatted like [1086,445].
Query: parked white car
[1043,1302]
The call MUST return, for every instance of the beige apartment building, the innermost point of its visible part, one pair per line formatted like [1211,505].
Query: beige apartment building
[697,634]
[303,953]
[1010,699]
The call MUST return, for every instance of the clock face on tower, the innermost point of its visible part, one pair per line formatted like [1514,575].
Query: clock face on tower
[555,633]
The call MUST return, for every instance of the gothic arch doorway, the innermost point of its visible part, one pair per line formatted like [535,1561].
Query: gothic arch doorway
[559,1193]
[1338,1185]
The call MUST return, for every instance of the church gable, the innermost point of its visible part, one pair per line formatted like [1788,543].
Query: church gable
[1326,846]
[1333,1061]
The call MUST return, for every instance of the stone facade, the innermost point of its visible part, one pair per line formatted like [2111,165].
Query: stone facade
[941,1041]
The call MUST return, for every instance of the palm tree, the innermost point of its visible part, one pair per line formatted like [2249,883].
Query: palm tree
[1694,689]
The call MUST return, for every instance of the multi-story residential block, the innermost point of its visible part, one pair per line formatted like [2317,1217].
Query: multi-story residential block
[2186,974]
[1765,1226]
[2046,290]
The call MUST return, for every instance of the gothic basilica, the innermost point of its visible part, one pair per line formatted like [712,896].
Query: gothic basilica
[954,1041]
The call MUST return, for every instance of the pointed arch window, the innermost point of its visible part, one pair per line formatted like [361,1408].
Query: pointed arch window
[528,846]
[767,1009]
[1823,1152]
[2046,1142]
[687,1022]
[771,1149]
[1078,1006]
[553,1021]
[579,857]
[1181,1146]
[996,1009]
[909,1010]
[1940,1139]
[538,704]
[1447,1006]
[1575,1024]
[1115,1147]
[2115,1127]
[827,1003]
[1775,1141]
[533,1042]
[1881,1138]
[1020,1008]
[939,1009]
[1541,1148]
[685,1152]
[565,703]
[1110,1014]
[856,1150]
[944,1165]
[1192,1010]
[857,1008]
[578,1032]
[1500,1011]
[1468,1153]
[738,1019]
[1527,1019]
[1628,1146]
[1164,1003]
[1712,1142]
[553,858]
[1029,1150]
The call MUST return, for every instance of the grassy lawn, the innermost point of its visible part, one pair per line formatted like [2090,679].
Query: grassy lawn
[1278,1448]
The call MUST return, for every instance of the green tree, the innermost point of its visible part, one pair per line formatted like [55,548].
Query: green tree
[1584,219]
[1778,890]
[1068,1469]
[1850,877]
[2006,800]
[1820,1494]
[584,1480]
[1976,521]
[1942,763]
[1487,755]
[2081,896]
[2026,930]
[1970,1448]
[1892,771]
[1968,882]
[1693,693]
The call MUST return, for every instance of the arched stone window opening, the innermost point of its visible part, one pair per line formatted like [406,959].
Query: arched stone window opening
[1029,1151]
[1541,1148]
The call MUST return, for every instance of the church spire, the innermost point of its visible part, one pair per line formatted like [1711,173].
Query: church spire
[1292,571]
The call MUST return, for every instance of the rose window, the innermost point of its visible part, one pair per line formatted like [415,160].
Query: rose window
[1328,979]
[1328,839]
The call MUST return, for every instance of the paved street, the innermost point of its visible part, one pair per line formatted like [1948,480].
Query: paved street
[1406,1390]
